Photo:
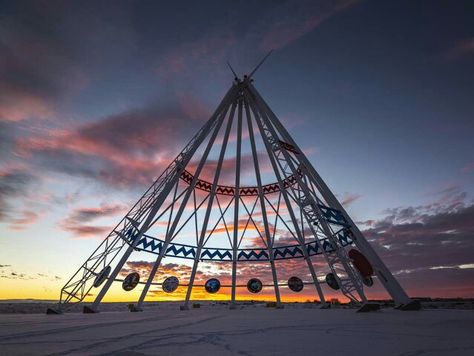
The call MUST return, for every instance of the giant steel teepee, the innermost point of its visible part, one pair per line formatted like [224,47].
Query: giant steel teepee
[293,216]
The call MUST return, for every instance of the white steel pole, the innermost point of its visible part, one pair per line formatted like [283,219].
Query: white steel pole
[209,208]
[236,204]
[263,209]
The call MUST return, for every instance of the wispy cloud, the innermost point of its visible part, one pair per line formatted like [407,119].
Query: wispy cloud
[298,21]
[349,198]
[36,69]
[8,272]
[462,48]
[78,222]
[413,241]
[25,218]
[13,184]
[468,168]
[130,148]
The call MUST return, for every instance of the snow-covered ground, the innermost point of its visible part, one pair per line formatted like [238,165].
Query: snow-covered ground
[249,330]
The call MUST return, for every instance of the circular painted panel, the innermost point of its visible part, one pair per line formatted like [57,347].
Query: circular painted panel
[212,285]
[254,285]
[295,284]
[332,281]
[368,281]
[131,281]
[102,276]
[170,284]
[361,263]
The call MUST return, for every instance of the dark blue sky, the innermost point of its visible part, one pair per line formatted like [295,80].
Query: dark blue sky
[97,97]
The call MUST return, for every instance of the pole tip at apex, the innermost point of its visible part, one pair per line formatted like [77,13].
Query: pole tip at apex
[260,63]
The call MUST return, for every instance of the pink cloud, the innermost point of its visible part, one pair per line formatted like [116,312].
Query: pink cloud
[24,219]
[462,48]
[79,220]
[349,198]
[21,105]
[286,31]
[469,167]
[130,148]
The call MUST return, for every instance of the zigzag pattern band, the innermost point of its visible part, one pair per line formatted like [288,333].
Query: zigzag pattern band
[243,191]
[154,245]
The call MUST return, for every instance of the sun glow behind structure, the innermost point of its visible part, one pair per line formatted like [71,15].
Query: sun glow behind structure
[384,113]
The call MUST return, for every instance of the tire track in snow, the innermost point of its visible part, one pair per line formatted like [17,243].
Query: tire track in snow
[90,347]
[75,328]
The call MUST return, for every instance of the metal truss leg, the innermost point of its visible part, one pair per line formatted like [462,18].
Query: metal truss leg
[383,273]
[310,208]
[294,221]
[128,252]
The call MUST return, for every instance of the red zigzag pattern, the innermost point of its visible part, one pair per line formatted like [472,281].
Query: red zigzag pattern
[244,191]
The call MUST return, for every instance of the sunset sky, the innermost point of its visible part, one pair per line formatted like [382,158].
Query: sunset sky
[97,97]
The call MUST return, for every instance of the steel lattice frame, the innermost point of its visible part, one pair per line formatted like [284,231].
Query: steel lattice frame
[317,221]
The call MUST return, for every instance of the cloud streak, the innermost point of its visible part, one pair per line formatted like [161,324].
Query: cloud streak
[37,67]
[130,148]
[7,272]
[427,244]
[462,48]
[78,222]
[298,21]
[13,184]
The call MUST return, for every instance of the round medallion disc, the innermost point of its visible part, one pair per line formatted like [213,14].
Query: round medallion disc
[212,285]
[368,281]
[254,285]
[295,284]
[131,281]
[102,276]
[170,284]
[332,281]
[361,263]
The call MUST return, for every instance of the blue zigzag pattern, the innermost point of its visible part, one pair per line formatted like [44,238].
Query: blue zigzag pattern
[333,216]
[327,246]
[313,248]
[222,256]
[293,251]
[253,255]
[154,245]
[173,251]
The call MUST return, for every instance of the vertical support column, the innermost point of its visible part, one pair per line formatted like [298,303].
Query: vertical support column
[263,209]
[236,204]
[209,208]
[294,221]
